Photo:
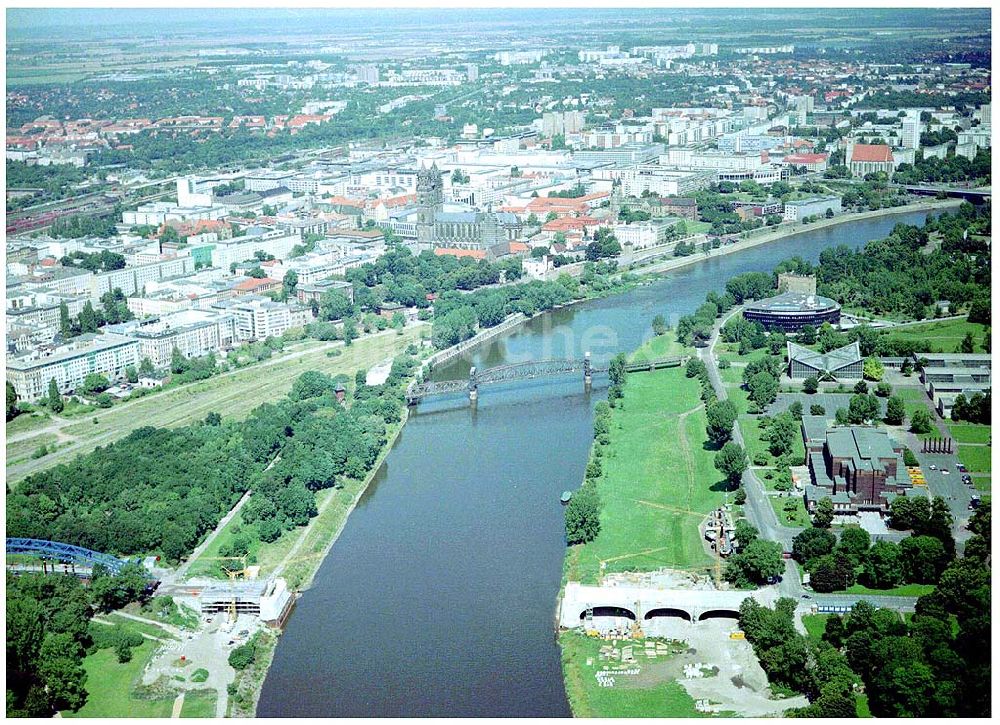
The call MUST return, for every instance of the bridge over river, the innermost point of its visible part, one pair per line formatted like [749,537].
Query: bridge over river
[525,371]
[39,555]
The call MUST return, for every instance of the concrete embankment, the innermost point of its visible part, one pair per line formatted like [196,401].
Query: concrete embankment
[783,233]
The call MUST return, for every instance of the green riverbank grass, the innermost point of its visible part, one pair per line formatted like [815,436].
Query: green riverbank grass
[109,686]
[940,336]
[199,703]
[658,483]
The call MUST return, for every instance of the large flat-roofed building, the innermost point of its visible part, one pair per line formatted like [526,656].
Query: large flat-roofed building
[797,210]
[193,332]
[844,363]
[858,468]
[306,293]
[268,599]
[789,311]
[258,318]
[69,364]
[953,359]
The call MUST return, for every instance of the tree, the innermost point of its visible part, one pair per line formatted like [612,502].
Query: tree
[823,516]
[763,389]
[131,374]
[745,533]
[924,558]
[55,399]
[817,409]
[146,368]
[755,564]
[721,415]
[968,343]
[854,544]
[731,461]
[65,325]
[920,421]
[659,325]
[740,497]
[583,515]
[861,388]
[841,417]
[831,573]
[88,318]
[243,656]
[11,402]
[795,409]
[807,335]
[863,409]
[781,434]
[290,282]
[812,543]
[883,566]
[810,385]
[883,390]
[873,369]
[61,672]
[895,411]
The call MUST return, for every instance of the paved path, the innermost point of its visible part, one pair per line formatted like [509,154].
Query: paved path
[182,570]
[178,704]
[165,627]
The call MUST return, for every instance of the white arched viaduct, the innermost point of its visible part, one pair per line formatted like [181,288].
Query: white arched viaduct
[642,603]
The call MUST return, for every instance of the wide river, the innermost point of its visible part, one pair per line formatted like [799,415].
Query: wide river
[439,597]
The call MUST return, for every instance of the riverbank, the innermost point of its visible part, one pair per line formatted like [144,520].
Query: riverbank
[671,264]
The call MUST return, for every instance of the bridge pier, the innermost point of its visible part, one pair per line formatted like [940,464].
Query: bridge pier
[588,377]
[473,388]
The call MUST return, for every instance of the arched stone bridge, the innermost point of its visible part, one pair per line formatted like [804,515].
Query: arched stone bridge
[645,603]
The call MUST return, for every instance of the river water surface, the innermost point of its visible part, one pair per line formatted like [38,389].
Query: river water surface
[438,599]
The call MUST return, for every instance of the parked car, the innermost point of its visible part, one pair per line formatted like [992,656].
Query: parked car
[932,467]
[960,467]
[945,471]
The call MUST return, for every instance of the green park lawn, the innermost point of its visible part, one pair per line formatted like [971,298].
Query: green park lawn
[968,433]
[199,703]
[940,336]
[658,482]
[913,399]
[661,346]
[906,590]
[752,437]
[588,699]
[975,458]
[815,625]
[982,483]
[109,686]
[798,516]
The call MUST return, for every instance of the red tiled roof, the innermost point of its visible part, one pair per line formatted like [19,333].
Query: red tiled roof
[879,153]
[473,253]
[805,158]
[249,285]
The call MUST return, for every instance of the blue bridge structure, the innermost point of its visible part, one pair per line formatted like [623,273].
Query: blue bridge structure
[76,559]
[525,371]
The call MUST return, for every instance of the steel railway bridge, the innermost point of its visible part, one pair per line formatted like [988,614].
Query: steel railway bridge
[74,559]
[515,372]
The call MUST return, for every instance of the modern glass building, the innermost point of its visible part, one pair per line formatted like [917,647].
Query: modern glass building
[790,311]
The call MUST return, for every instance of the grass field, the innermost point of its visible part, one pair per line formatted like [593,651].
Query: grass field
[975,458]
[232,394]
[661,346]
[26,422]
[907,590]
[913,399]
[815,625]
[796,517]
[982,483]
[943,336]
[861,706]
[658,483]
[199,703]
[751,436]
[108,682]
[588,699]
[963,433]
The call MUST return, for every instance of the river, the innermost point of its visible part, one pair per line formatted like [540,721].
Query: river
[438,599]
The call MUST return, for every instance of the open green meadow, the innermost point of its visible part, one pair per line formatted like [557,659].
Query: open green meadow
[109,686]
[982,483]
[658,484]
[906,590]
[940,336]
[199,703]
[975,458]
[969,433]
[795,514]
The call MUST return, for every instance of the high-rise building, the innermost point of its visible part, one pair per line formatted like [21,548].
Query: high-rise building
[368,74]
[471,72]
[912,128]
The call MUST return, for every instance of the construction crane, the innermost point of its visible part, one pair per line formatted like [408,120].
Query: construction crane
[233,572]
